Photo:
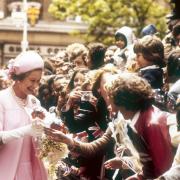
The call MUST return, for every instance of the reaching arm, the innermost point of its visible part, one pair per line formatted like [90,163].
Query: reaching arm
[86,149]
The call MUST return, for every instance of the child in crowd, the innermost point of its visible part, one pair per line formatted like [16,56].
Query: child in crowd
[150,59]
[124,39]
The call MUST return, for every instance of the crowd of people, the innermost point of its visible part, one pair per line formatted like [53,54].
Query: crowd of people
[119,106]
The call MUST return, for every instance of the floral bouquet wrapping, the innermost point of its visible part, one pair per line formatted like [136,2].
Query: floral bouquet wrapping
[49,151]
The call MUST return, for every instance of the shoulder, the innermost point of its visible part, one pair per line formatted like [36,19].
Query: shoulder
[151,70]
[5,95]
[4,92]
[157,119]
[153,116]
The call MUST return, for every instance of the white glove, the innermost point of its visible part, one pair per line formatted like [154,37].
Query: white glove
[34,129]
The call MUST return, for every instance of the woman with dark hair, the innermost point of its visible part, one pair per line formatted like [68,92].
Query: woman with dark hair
[96,54]
[147,129]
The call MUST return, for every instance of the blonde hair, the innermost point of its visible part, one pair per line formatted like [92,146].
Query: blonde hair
[96,78]
[76,49]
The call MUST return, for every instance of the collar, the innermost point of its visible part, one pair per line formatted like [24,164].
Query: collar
[134,120]
[150,67]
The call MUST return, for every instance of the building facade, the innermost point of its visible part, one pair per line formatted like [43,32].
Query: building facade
[45,34]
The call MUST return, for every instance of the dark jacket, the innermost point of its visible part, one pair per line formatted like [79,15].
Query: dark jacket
[154,75]
[86,117]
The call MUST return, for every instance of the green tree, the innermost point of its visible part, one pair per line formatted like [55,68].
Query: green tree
[104,17]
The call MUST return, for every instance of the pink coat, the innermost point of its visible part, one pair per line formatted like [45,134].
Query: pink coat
[18,160]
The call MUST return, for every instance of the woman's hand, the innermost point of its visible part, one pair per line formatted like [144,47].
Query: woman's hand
[74,98]
[114,163]
[121,150]
[58,136]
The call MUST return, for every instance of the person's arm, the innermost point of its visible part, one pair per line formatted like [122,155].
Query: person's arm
[85,149]
[33,129]
[124,162]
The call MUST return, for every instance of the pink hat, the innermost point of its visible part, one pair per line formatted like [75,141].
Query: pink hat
[24,62]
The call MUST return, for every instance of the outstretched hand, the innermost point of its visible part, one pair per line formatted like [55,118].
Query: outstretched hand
[114,163]
[57,136]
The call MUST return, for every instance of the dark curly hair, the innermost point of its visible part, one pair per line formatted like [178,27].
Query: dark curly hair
[130,91]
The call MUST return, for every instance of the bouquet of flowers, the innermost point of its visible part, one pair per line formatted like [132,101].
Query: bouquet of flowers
[49,151]
[52,152]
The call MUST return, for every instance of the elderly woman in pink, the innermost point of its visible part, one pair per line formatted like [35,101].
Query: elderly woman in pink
[18,159]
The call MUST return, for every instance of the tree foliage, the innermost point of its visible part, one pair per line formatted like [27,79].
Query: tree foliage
[104,17]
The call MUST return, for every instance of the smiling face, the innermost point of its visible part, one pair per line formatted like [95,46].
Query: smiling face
[28,85]
[120,43]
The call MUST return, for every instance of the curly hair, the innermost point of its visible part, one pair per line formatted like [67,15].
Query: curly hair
[130,91]
[76,49]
